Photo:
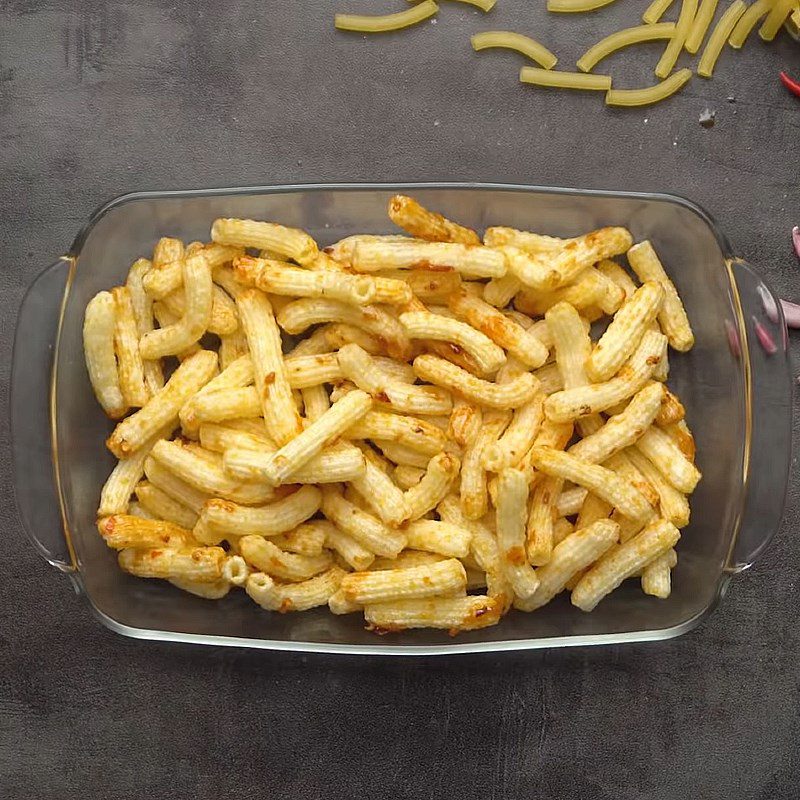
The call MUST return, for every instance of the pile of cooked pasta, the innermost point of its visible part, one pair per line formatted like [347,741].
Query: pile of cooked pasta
[687,33]
[442,442]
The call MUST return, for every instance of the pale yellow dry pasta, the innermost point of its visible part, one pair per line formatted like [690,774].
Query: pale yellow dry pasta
[300,450]
[172,485]
[237,375]
[379,491]
[624,467]
[655,11]
[593,509]
[656,576]
[354,554]
[287,597]
[504,332]
[423,325]
[135,430]
[650,94]
[623,561]
[673,505]
[473,261]
[425,285]
[162,506]
[464,422]
[158,283]
[624,38]
[99,325]
[623,429]
[266,557]
[576,6]
[269,369]
[473,490]
[700,25]
[357,365]
[564,80]
[682,436]
[588,291]
[512,513]
[571,344]
[225,278]
[289,242]
[550,380]
[562,528]
[576,552]
[278,517]
[166,319]
[433,487]
[367,530]
[206,474]
[299,315]
[515,41]
[235,570]
[143,313]
[671,410]
[778,14]
[400,454]
[719,36]
[339,462]
[616,273]
[601,481]
[409,431]
[541,519]
[665,454]
[581,401]
[500,291]
[202,564]
[342,251]
[439,537]
[406,476]
[625,332]
[449,613]
[223,320]
[284,279]
[551,434]
[755,11]
[166,251]
[307,539]
[137,510]
[570,501]
[208,591]
[225,404]
[121,531]
[673,49]
[499,236]
[517,438]
[442,578]
[315,402]
[366,23]
[417,220]
[442,373]
[198,290]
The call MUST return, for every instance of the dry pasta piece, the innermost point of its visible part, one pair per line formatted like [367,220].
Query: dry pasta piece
[500,291]
[576,6]
[353,552]
[517,438]
[582,401]
[623,561]
[616,273]
[99,326]
[624,38]
[299,315]
[474,261]
[287,597]
[464,423]
[778,14]
[534,243]
[367,530]
[665,454]
[473,490]
[315,402]
[208,591]
[161,477]
[655,11]
[439,537]
[224,405]
[289,242]
[657,577]
[512,512]
[167,319]
[202,564]
[143,313]
[342,251]
[755,11]
[379,491]
[267,557]
[575,553]
[269,369]
[409,431]
[160,282]
[425,285]
[449,613]
[375,586]
[541,519]
[281,516]
[417,220]
[365,23]
[223,320]
[673,49]
[570,501]
[400,454]
[167,250]
[682,436]
[671,410]
[433,487]
[623,429]
[673,505]
[504,332]
[702,21]
[121,531]
[424,325]
[162,506]
[514,41]
[161,410]
[406,476]
[307,539]
[593,509]
[564,80]
[719,36]
[599,480]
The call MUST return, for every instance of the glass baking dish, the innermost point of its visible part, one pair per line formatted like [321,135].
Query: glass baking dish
[738,398]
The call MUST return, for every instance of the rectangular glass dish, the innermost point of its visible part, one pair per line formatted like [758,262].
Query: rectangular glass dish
[738,397]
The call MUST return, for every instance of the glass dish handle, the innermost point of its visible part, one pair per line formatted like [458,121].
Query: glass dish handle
[771,387]
[31,373]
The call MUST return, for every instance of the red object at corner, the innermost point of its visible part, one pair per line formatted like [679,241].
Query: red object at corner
[792,85]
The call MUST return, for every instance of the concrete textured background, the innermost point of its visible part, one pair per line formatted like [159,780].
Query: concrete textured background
[99,98]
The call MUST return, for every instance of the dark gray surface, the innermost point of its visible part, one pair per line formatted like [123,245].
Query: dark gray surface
[101,98]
